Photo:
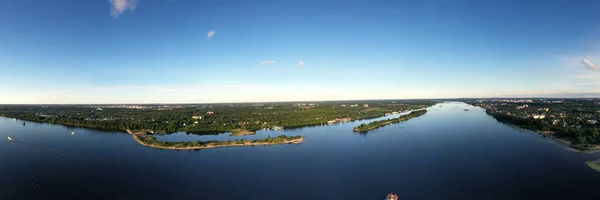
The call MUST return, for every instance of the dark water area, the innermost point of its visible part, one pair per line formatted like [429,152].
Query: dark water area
[447,153]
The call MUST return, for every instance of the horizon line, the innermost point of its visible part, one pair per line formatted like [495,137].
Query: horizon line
[340,100]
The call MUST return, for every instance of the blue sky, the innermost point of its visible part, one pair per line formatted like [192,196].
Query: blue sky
[159,51]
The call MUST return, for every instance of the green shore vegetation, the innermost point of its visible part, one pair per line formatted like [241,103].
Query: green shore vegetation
[152,141]
[571,120]
[380,123]
[203,119]
[579,138]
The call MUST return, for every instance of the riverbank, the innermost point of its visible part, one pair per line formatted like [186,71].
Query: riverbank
[150,141]
[550,134]
[385,122]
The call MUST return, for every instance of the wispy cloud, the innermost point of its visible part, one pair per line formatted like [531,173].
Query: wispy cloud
[117,7]
[588,64]
[300,64]
[266,62]
[210,34]
[327,61]
[276,68]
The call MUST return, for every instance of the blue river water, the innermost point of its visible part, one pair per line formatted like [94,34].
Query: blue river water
[447,153]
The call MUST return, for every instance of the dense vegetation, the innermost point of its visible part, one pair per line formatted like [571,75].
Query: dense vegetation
[212,118]
[152,141]
[380,123]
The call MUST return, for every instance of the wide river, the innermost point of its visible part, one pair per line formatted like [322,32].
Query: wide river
[447,153]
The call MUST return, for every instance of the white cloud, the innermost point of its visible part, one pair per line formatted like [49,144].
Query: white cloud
[210,34]
[276,68]
[117,7]
[266,62]
[588,64]
[327,61]
[300,64]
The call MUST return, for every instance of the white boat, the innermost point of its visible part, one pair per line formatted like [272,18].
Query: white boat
[72,133]
[9,138]
[15,119]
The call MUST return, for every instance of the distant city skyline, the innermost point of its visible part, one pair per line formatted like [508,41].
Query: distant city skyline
[185,51]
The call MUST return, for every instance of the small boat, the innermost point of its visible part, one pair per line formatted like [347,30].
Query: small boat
[391,196]
[15,119]
[466,109]
[23,123]
[9,138]
[72,133]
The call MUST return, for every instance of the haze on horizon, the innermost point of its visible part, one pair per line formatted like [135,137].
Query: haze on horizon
[185,51]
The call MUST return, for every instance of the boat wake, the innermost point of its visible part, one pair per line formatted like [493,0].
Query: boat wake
[35,181]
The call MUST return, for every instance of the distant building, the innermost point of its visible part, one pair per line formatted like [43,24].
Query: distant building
[366,105]
[555,122]
[523,106]
[343,105]
[196,117]
[539,116]
[592,121]
[210,113]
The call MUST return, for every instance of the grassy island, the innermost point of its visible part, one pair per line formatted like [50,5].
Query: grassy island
[151,141]
[594,165]
[380,123]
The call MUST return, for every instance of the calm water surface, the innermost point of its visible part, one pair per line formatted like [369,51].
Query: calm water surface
[446,154]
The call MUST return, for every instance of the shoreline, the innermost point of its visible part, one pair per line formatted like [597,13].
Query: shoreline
[241,132]
[549,134]
[246,143]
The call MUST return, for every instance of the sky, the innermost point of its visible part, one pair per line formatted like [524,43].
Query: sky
[195,51]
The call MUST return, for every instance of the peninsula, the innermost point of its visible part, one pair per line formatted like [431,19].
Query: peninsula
[380,123]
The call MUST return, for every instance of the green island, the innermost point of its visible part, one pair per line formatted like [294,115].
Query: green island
[380,123]
[594,165]
[151,141]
